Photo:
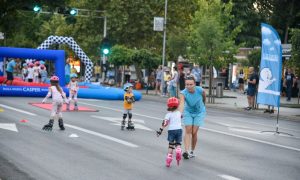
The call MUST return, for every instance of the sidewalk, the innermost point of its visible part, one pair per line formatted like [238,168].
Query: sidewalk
[235,101]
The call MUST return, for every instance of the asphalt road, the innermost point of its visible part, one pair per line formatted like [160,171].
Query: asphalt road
[230,145]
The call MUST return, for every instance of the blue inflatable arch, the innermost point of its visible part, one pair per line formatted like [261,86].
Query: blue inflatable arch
[57,56]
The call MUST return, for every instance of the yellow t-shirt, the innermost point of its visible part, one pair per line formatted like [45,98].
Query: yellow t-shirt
[97,69]
[126,104]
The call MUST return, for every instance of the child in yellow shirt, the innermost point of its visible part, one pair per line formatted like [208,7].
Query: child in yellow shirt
[128,101]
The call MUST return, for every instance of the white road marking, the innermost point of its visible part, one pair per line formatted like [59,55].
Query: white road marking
[18,110]
[9,126]
[73,136]
[117,121]
[241,129]
[227,177]
[251,139]
[126,143]
[211,130]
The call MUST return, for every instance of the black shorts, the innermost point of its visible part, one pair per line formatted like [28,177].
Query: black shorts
[241,81]
[10,76]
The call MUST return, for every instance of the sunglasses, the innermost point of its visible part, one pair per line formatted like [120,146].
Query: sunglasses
[190,77]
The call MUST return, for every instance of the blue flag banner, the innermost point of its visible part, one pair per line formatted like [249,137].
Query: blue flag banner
[270,67]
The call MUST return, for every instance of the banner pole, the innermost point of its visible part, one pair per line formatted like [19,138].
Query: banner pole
[277,124]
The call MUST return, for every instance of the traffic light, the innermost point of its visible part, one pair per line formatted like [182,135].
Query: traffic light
[37,9]
[105,46]
[73,11]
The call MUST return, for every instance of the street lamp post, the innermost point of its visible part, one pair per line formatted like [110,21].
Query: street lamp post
[165,34]
[164,48]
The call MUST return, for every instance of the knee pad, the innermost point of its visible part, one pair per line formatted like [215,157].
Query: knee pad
[124,116]
[130,115]
[171,145]
[177,144]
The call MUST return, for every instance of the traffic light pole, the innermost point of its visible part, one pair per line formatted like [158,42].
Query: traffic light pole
[103,55]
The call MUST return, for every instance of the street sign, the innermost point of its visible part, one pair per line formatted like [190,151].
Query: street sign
[158,24]
[1,35]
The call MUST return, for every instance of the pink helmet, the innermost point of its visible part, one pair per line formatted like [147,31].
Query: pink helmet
[54,78]
[37,63]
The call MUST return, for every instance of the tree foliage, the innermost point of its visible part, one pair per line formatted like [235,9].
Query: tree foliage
[120,55]
[254,59]
[295,61]
[210,41]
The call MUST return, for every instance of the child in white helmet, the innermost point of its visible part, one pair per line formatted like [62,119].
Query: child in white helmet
[58,98]
[73,91]
[173,120]
[128,103]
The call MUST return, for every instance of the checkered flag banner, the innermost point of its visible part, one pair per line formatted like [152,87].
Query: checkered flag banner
[74,46]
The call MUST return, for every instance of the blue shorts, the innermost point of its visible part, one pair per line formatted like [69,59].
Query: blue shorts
[175,136]
[251,91]
[193,119]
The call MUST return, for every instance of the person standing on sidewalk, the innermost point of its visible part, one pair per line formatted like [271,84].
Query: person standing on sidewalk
[67,71]
[11,66]
[159,76]
[241,81]
[173,83]
[192,107]
[97,72]
[251,91]
[289,83]
[197,74]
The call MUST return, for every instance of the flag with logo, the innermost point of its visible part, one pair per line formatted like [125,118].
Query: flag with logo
[270,67]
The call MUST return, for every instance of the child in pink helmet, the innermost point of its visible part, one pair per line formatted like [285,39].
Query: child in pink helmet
[58,97]
[173,120]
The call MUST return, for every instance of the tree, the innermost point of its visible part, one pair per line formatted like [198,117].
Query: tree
[143,58]
[295,60]
[254,59]
[120,55]
[210,41]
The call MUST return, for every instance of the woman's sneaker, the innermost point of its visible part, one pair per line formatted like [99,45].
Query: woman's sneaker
[192,155]
[185,155]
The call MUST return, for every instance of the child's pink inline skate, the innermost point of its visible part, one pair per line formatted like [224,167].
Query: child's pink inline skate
[169,160]
[178,155]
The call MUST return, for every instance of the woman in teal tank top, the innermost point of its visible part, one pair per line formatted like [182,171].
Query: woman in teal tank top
[192,107]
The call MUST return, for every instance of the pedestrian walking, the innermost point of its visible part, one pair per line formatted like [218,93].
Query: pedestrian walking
[58,97]
[192,107]
[173,121]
